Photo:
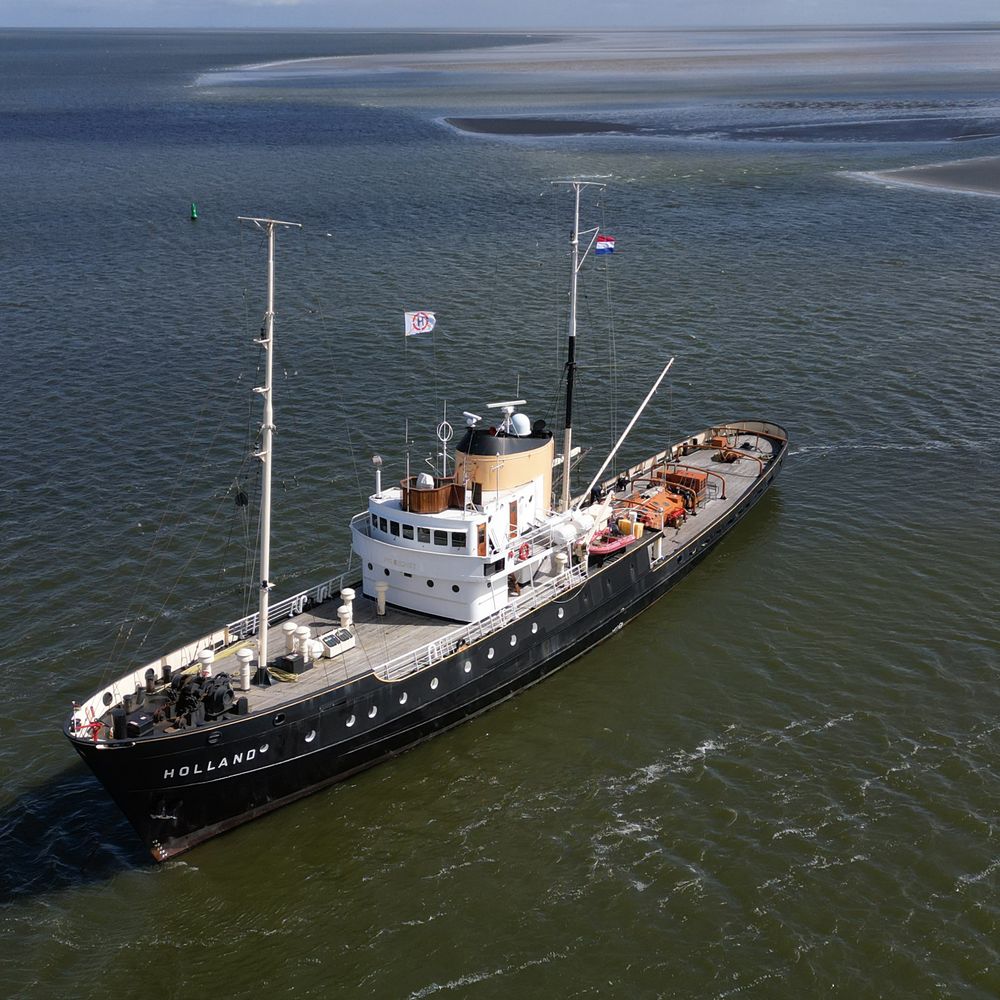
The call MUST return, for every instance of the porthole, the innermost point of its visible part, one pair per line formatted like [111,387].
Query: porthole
[351,721]
[107,699]
[214,738]
[386,571]
[454,588]
[370,566]
[489,653]
[264,748]
[402,698]
[534,628]
[373,711]
[279,719]
[513,640]
[430,583]
[561,612]
[468,666]
[434,684]
[310,736]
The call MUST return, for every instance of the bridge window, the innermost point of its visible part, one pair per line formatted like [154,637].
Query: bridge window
[408,531]
[458,540]
[440,537]
[382,525]
[424,535]
[394,528]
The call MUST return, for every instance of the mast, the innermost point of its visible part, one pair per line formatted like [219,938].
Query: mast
[266,434]
[577,186]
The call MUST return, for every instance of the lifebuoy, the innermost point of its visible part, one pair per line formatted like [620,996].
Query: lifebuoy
[524,552]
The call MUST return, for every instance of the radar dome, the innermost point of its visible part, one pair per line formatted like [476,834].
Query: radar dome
[521,424]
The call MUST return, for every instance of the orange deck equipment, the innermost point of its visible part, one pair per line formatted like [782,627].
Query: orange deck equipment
[693,480]
[659,510]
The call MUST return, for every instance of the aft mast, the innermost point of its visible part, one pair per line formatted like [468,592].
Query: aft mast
[266,433]
[577,186]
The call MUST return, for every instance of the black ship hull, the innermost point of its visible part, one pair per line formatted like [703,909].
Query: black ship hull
[180,789]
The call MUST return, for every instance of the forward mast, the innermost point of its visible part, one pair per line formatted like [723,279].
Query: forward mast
[266,340]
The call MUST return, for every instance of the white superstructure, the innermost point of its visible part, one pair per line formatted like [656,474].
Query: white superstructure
[459,546]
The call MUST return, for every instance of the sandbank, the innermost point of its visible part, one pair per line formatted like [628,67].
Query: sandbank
[539,126]
[980,175]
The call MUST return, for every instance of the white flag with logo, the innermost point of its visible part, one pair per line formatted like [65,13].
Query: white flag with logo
[418,322]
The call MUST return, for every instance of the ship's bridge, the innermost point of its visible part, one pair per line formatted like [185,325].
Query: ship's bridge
[447,545]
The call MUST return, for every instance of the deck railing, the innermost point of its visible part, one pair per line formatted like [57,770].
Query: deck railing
[419,659]
[222,638]
[289,607]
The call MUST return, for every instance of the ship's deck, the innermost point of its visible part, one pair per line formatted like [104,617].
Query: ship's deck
[740,476]
[378,639]
[401,642]
[382,639]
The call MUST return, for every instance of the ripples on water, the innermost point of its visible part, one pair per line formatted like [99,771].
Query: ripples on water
[780,781]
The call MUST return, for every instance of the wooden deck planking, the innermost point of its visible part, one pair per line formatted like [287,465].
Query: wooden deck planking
[378,639]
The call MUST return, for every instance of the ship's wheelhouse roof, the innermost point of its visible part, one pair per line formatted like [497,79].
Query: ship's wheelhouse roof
[490,441]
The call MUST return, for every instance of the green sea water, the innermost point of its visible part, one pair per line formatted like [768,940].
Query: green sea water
[778,782]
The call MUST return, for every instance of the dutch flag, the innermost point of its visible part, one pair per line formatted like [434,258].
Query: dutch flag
[604,244]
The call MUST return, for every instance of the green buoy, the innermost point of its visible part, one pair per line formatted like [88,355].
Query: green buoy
[194,211]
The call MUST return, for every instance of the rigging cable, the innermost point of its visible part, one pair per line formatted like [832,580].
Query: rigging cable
[153,563]
[612,344]
[207,451]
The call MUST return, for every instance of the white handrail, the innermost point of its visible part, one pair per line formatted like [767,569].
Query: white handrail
[440,649]
[290,606]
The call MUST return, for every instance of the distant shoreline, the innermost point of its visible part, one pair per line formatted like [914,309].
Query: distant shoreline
[976,176]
